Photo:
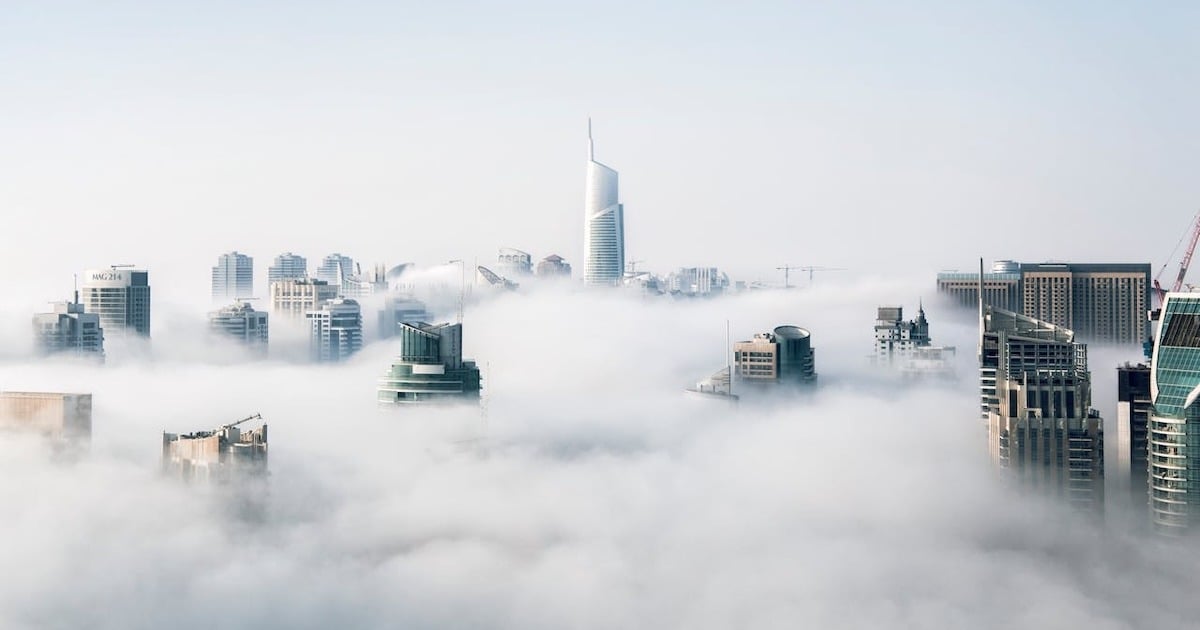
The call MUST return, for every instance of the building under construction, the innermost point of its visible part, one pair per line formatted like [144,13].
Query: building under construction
[221,455]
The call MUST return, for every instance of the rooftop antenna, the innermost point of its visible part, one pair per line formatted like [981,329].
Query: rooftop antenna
[591,145]
[75,286]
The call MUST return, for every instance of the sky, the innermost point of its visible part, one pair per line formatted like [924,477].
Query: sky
[587,492]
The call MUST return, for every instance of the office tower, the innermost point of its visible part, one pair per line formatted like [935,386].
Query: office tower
[697,281]
[288,266]
[68,329]
[225,454]
[335,268]
[430,368]
[233,277]
[1100,302]
[336,330]
[603,224]
[239,321]
[294,298]
[63,418]
[1001,287]
[1036,396]
[514,263]
[783,356]
[400,309]
[121,297]
[553,266]
[906,345]
[1174,424]
[1134,407]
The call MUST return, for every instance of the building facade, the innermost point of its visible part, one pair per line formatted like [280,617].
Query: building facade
[335,330]
[240,322]
[222,455]
[287,266]
[233,277]
[1100,302]
[1000,289]
[121,297]
[783,356]
[1035,391]
[906,345]
[553,266]
[1174,424]
[63,418]
[514,263]
[1134,408]
[335,268]
[294,298]
[603,224]
[68,329]
[430,368]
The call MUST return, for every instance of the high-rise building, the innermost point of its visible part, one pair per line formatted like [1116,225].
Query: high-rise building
[1134,408]
[336,330]
[233,277]
[294,298]
[514,263]
[63,418]
[69,329]
[430,367]
[1174,424]
[603,224]
[222,455]
[400,309]
[697,281]
[1036,396]
[906,345]
[1001,287]
[239,321]
[121,297]
[288,266]
[553,266]
[783,356]
[335,268]
[1100,302]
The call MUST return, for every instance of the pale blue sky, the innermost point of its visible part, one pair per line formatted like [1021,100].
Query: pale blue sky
[827,133]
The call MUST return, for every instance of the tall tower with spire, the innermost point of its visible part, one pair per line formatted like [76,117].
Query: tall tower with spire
[603,223]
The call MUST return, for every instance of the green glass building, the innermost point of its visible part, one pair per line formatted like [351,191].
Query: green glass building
[1175,419]
[430,368]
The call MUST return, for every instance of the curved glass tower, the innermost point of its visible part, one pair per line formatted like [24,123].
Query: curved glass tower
[1175,417]
[603,224]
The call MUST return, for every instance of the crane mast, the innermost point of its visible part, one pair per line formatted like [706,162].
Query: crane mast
[1183,264]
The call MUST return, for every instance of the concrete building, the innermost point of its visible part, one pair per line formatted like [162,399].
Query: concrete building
[121,297]
[603,224]
[553,266]
[336,330]
[63,418]
[1036,396]
[783,356]
[697,282]
[430,368]
[233,277]
[288,266]
[400,309]
[1174,424]
[335,268]
[68,329]
[1100,302]
[1134,408]
[294,298]
[906,345]
[1001,289]
[222,455]
[514,263]
[239,321]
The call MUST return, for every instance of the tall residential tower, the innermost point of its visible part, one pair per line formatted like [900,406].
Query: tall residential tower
[121,297]
[603,224]
[233,277]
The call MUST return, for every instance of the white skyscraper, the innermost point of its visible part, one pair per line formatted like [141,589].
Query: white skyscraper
[68,329]
[603,224]
[233,277]
[288,266]
[121,297]
[336,330]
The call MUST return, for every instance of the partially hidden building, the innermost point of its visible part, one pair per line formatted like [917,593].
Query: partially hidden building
[784,356]
[603,224]
[335,330]
[294,298]
[430,368]
[1174,424]
[121,297]
[222,455]
[400,309]
[241,323]
[233,277]
[697,282]
[65,419]
[906,346]
[553,266]
[287,266]
[335,268]
[69,329]
[514,263]
[1134,408]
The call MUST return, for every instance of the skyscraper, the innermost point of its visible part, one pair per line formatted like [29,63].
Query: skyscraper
[239,321]
[400,309]
[514,263]
[335,268]
[233,277]
[336,330]
[294,298]
[121,297]
[68,329]
[288,266]
[906,345]
[1134,408]
[430,367]
[1175,418]
[603,224]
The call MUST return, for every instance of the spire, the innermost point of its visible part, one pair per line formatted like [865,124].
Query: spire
[591,145]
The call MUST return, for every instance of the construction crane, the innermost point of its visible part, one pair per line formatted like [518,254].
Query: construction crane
[1183,264]
[786,269]
[246,419]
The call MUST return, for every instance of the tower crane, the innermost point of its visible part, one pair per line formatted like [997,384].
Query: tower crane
[1183,264]
[786,269]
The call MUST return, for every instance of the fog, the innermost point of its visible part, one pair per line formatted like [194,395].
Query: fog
[587,490]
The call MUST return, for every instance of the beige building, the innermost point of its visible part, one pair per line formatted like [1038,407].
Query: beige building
[1100,302]
[61,417]
[784,355]
[294,297]
[220,455]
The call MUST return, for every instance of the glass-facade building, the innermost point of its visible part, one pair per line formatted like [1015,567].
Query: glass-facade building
[121,297]
[430,368]
[233,277]
[1175,419]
